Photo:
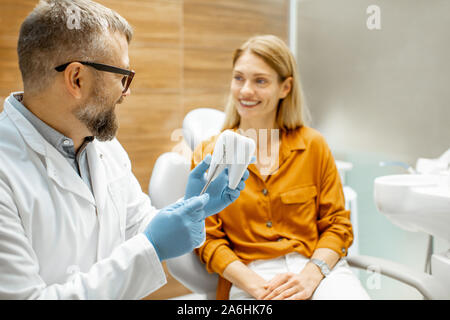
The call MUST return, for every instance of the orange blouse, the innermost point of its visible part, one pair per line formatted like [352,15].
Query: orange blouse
[299,208]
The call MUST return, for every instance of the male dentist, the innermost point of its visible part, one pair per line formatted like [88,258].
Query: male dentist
[74,222]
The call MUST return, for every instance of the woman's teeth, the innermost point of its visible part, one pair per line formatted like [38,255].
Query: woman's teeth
[249,103]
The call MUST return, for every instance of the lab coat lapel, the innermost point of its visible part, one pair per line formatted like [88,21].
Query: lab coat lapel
[107,237]
[98,176]
[60,171]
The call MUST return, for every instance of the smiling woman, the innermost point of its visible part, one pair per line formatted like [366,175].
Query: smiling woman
[258,70]
[285,237]
[256,90]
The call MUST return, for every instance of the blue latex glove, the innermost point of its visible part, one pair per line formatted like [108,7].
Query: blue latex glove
[220,195]
[178,228]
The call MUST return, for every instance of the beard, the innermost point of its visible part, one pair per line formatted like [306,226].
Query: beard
[98,115]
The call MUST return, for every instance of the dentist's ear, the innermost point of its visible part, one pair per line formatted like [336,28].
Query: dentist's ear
[74,79]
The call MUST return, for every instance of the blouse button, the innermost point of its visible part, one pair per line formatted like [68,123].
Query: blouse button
[265,192]
[269,224]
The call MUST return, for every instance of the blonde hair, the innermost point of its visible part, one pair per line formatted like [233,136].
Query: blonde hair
[292,112]
[60,31]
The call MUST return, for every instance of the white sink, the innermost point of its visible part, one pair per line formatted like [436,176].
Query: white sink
[415,202]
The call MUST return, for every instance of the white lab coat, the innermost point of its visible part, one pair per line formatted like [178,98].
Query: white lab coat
[58,241]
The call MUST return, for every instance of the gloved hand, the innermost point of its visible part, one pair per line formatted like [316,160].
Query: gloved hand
[178,228]
[220,195]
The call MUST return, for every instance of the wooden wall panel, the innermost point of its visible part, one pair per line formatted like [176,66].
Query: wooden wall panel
[156,23]
[181,52]
[224,24]
[212,31]
[12,13]
[155,67]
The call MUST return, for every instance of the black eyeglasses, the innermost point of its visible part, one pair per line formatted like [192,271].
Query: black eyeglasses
[126,81]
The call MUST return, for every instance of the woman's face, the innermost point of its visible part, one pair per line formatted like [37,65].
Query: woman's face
[256,88]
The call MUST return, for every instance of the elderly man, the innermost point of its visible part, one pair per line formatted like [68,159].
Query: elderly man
[74,222]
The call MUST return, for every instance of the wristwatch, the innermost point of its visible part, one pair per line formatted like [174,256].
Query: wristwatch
[324,268]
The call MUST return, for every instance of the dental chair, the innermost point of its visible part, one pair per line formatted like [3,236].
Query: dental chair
[167,185]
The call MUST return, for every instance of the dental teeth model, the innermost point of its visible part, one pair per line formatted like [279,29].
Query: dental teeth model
[234,151]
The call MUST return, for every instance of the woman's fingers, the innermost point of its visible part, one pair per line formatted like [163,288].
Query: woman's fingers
[285,286]
[273,284]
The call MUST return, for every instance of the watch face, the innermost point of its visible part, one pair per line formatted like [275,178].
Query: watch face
[322,265]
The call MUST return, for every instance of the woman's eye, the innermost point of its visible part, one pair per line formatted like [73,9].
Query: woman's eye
[261,81]
[237,78]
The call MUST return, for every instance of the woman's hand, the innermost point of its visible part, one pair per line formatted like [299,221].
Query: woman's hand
[293,286]
[245,278]
[257,289]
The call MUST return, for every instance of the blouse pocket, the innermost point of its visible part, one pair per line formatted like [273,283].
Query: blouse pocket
[299,195]
[298,213]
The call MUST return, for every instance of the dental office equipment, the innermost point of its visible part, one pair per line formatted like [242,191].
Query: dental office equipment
[404,165]
[434,166]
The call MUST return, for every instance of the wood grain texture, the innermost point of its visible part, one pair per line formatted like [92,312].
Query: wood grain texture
[12,13]
[225,24]
[181,52]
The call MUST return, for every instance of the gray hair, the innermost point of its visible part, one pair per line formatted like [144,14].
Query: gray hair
[60,31]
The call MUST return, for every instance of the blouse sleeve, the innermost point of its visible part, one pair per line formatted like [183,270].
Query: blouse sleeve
[333,223]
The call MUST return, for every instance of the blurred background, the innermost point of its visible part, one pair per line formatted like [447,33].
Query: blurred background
[376,94]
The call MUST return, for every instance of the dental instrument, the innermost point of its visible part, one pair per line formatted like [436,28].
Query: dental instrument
[215,172]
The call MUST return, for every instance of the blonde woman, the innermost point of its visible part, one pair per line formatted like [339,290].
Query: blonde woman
[287,234]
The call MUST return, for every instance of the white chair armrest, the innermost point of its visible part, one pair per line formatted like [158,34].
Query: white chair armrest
[426,284]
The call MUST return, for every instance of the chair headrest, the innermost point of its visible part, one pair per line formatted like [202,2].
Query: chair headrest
[201,124]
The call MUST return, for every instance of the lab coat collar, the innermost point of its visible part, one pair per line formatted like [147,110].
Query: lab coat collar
[58,168]
[28,132]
